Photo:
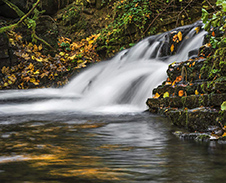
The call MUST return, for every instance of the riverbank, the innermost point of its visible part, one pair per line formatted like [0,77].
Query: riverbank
[190,99]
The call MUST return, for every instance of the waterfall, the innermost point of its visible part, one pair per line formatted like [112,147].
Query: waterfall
[121,84]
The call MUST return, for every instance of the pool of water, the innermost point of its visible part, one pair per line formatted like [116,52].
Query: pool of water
[71,147]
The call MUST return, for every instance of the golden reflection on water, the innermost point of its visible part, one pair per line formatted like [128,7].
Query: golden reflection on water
[47,148]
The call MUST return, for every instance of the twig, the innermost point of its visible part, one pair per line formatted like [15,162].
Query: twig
[42,40]
[31,10]
[4,29]
[211,5]
[15,8]
[157,17]
[182,11]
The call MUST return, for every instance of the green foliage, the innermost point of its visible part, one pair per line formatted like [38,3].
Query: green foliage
[71,13]
[129,19]
[215,24]
[223,106]
[221,3]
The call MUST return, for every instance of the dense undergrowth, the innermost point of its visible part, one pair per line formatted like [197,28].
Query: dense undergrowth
[87,35]
[215,24]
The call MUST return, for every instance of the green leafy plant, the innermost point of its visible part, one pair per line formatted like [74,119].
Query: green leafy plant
[129,19]
[215,24]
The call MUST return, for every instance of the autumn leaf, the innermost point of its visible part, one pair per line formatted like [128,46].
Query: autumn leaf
[62,54]
[197,30]
[12,78]
[196,92]
[31,66]
[36,72]
[181,93]
[30,45]
[35,48]
[156,95]
[172,48]
[5,70]
[224,135]
[5,84]
[26,78]
[166,94]
[40,47]
[33,80]
[179,35]
[168,83]
[25,56]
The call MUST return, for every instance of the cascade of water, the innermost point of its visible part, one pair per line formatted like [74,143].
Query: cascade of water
[121,84]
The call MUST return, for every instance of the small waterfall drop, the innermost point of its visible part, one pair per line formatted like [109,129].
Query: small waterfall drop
[121,84]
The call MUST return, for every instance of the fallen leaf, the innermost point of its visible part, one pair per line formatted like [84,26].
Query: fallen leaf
[166,94]
[181,93]
[179,35]
[172,48]
[196,92]
[197,30]
[156,95]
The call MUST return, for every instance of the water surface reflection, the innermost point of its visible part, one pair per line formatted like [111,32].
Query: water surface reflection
[68,147]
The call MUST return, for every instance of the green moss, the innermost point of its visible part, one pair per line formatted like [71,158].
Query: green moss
[203,137]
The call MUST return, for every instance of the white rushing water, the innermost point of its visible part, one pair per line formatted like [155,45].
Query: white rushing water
[121,84]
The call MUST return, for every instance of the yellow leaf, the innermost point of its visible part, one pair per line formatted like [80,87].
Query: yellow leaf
[32,80]
[91,41]
[5,70]
[5,84]
[25,56]
[40,59]
[166,94]
[197,30]
[10,82]
[156,95]
[12,78]
[79,61]
[35,48]
[12,41]
[30,45]
[36,72]
[196,92]
[35,83]
[172,47]
[40,47]
[224,135]
[62,54]
[31,66]
[179,36]
[18,37]
[72,57]
[168,83]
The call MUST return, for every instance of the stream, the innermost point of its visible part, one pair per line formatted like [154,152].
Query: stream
[134,147]
[95,130]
